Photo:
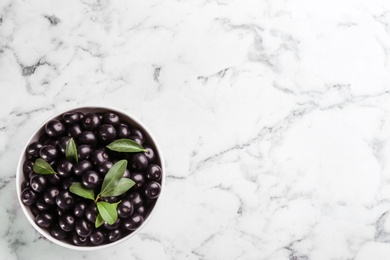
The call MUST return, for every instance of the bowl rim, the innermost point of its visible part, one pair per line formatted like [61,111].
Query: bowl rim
[19,173]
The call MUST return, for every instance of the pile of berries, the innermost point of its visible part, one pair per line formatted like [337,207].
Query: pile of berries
[71,218]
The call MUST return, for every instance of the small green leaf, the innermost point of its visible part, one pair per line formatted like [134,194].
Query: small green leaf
[99,221]
[107,211]
[125,145]
[113,176]
[79,190]
[71,151]
[123,185]
[42,167]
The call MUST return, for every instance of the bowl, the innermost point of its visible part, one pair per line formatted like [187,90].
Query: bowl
[151,204]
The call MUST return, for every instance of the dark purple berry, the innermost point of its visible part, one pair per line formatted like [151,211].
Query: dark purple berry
[75,131]
[48,153]
[103,168]
[133,222]
[27,168]
[90,121]
[97,237]
[153,172]
[111,199]
[25,184]
[54,128]
[150,154]
[87,137]
[90,180]
[136,139]
[38,183]
[50,195]
[58,233]
[106,133]
[42,205]
[135,199]
[83,227]
[99,156]
[71,118]
[64,169]
[139,162]
[44,220]
[79,240]
[81,167]
[138,178]
[111,119]
[125,209]
[114,235]
[152,190]
[33,149]
[84,152]
[123,131]
[113,226]
[138,133]
[65,200]
[91,213]
[62,143]
[54,179]
[79,209]
[66,183]
[67,222]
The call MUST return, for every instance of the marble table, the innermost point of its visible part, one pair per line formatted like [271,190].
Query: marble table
[273,118]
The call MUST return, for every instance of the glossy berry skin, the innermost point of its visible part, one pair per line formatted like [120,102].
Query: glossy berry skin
[153,172]
[50,195]
[150,154]
[138,178]
[65,200]
[83,227]
[87,137]
[114,235]
[97,237]
[111,199]
[106,133]
[91,213]
[133,222]
[42,205]
[33,149]
[99,156]
[139,162]
[64,169]
[25,184]
[125,208]
[111,119]
[135,199]
[137,132]
[103,168]
[67,222]
[55,128]
[141,210]
[90,121]
[79,209]
[90,180]
[27,168]
[48,153]
[126,174]
[82,167]
[54,179]
[123,131]
[62,143]
[79,240]
[152,190]
[84,152]
[66,183]
[75,131]
[38,183]
[71,118]
[116,224]
[136,139]
[58,233]
[44,220]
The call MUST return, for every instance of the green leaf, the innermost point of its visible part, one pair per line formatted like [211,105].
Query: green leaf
[124,184]
[42,167]
[99,221]
[113,176]
[125,145]
[79,190]
[107,211]
[71,151]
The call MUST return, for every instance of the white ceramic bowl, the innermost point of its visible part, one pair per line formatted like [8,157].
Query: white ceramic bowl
[126,117]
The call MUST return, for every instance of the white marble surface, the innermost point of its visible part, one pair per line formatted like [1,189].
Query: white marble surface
[273,117]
